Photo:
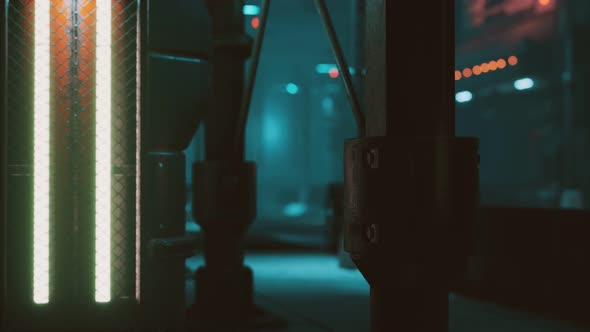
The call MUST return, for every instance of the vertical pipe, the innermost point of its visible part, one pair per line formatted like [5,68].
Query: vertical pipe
[223,290]
[228,73]
[228,91]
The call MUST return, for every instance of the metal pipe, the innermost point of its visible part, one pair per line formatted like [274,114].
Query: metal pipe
[231,48]
[247,97]
[223,292]
[342,66]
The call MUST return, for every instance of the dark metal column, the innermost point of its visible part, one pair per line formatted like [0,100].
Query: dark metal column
[410,66]
[224,186]
[575,121]
[162,290]
[411,186]
[231,50]
[410,62]
[567,31]
[174,90]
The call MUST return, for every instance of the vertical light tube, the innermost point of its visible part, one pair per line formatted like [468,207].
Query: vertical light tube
[41,154]
[103,152]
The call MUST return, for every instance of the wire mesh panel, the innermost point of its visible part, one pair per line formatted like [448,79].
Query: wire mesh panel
[20,73]
[70,112]
[72,146]
[124,147]
[20,107]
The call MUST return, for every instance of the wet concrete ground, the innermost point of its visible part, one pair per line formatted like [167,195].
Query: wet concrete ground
[313,293]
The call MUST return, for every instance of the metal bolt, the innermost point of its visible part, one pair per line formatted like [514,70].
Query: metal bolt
[371,233]
[373,158]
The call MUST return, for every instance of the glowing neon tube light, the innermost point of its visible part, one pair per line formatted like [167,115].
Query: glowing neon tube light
[41,150]
[103,152]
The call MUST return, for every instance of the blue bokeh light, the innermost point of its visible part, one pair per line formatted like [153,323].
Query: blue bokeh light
[324,68]
[272,130]
[292,88]
[251,10]
[463,97]
[295,209]
[524,84]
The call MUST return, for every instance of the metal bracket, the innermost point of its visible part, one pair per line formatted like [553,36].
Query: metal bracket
[407,195]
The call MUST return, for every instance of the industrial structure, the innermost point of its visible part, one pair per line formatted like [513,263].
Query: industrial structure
[310,165]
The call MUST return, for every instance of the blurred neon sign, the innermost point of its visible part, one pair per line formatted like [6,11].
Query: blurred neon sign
[482,10]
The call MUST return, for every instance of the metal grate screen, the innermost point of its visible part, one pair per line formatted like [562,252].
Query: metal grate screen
[125,16]
[72,150]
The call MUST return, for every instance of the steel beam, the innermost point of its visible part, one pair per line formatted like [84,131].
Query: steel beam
[410,93]
[411,186]
[410,68]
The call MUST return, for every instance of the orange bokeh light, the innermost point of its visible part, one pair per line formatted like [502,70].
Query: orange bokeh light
[255,22]
[467,72]
[544,2]
[334,73]
[513,60]
[485,67]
